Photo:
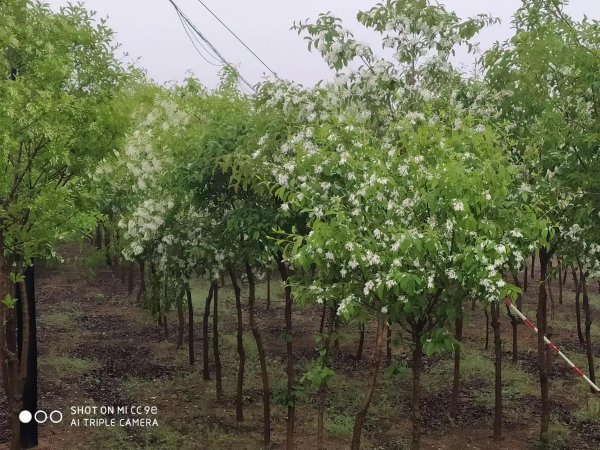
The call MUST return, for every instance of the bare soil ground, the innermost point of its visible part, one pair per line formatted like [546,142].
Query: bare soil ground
[98,348]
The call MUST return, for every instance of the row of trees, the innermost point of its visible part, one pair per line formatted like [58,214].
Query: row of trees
[392,193]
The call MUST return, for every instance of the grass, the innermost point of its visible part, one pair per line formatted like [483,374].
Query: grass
[66,366]
[338,425]
[60,320]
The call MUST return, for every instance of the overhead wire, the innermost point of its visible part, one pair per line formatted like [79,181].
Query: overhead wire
[199,34]
[238,38]
[194,41]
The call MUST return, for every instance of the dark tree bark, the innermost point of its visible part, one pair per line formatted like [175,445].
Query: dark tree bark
[388,346]
[191,355]
[323,312]
[266,394]
[239,397]
[514,321]
[206,317]
[142,289]
[495,308]
[487,329]
[29,431]
[291,410]
[216,352]
[268,289]
[180,325]
[361,414]
[588,326]
[458,331]
[533,266]
[577,307]
[416,391]
[361,342]
[560,284]
[541,324]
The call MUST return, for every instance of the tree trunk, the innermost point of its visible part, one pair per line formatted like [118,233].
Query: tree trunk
[284,272]
[361,342]
[107,247]
[266,394]
[577,307]
[268,289]
[206,317]
[588,326]
[98,244]
[495,307]
[388,346]
[514,321]
[142,289]
[533,266]
[361,415]
[323,391]
[525,279]
[487,329]
[239,396]
[323,312]
[541,323]
[416,392]
[458,330]
[29,431]
[180,324]
[560,284]
[216,353]
[188,294]
[130,279]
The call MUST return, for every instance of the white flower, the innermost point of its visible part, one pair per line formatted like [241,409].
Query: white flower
[384,310]
[458,206]
[285,207]
[480,128]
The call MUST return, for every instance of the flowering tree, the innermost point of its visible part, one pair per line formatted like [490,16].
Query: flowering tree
[56,123]
[543,84]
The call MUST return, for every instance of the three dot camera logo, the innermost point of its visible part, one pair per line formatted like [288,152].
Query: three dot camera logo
[41,416]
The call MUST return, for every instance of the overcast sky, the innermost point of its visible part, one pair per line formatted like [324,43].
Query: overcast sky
[150,30]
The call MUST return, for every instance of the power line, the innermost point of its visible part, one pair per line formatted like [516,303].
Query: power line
[238,38]
[194,41]
[212,47]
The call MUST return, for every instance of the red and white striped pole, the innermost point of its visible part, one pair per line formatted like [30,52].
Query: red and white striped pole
[549,343]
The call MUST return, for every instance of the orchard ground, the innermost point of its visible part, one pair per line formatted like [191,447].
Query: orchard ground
[97,347]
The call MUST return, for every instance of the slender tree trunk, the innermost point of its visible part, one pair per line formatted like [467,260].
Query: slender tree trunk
[514,321]
[188,294]
[416,391]
[560,284]
[565,273]
[29,431]
[98,242]
[388,346]
[239,397]
[588,326]
[533,266]
[361,414]
[495,308]
[266,395]
[130,279]
[458,330]
[525,279]
[577,307]
[268,289]
[541,323]
[336,333]
[322,324]
[142,288]
[361,342]
[107,247]
[284,272]
[180,324]
[487,329]
[323,391]
[216,352]
[206,317]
